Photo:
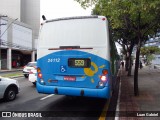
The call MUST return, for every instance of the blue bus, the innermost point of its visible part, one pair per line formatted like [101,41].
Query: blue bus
[74,57]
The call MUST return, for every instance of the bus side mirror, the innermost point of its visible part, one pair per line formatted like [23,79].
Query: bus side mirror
[43,17]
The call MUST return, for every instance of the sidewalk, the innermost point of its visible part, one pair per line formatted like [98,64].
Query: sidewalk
[132,107]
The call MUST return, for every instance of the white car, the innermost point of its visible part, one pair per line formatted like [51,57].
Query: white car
[33,76]
[9,88]
[30,66]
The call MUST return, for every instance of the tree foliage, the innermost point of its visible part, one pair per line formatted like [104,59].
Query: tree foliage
[150,50]
[131,21]
[148,53]
[125,13]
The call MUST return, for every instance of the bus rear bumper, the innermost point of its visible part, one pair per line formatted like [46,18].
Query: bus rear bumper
[100,93]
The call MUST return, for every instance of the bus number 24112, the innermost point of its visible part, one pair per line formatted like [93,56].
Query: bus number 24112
[54,60]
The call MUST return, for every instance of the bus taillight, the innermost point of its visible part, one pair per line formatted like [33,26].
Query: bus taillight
[40,75]
[38,70]
[103,78]
[105,72]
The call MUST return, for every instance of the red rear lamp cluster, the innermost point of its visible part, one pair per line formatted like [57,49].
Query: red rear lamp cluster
[105,72]
[39,72]
[40,75]
[103,78]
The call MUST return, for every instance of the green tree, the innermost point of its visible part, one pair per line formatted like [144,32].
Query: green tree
[140,17]
[127,40]
[148,52]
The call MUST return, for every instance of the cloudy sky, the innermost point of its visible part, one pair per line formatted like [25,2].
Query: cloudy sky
[62,8]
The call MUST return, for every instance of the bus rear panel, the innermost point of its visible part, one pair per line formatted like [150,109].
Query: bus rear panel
[74,57]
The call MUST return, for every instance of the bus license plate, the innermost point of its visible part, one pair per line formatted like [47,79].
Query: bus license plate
[69,78]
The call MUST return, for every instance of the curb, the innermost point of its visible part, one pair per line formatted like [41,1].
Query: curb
[118,100]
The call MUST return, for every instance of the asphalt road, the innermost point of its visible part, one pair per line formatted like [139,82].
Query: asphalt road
[53,106]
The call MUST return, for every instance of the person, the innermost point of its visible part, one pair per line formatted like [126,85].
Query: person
[122,63]
[140,64]
[14,64]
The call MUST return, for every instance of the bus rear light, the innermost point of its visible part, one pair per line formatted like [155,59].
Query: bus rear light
[40,75]
[101,84]
[105,72]
[38,70]
[103,78]
[42,82]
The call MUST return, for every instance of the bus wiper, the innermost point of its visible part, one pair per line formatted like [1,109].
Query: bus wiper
[69,48]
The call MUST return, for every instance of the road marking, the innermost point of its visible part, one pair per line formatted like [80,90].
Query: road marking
[104,111]
[47,97]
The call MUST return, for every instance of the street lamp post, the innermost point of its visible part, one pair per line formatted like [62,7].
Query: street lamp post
[0,36]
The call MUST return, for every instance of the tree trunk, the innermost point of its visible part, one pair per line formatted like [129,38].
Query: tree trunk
[127,63]
[130,66]
[136,91]
[130,59]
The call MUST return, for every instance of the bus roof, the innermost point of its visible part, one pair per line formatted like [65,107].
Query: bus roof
[76,17]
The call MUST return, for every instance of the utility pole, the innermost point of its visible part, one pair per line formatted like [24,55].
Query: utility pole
[1,16]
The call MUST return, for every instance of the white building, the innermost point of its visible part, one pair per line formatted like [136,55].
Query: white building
[15,42]
[30,14]
[21,31]
[11,8]
[27,11]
